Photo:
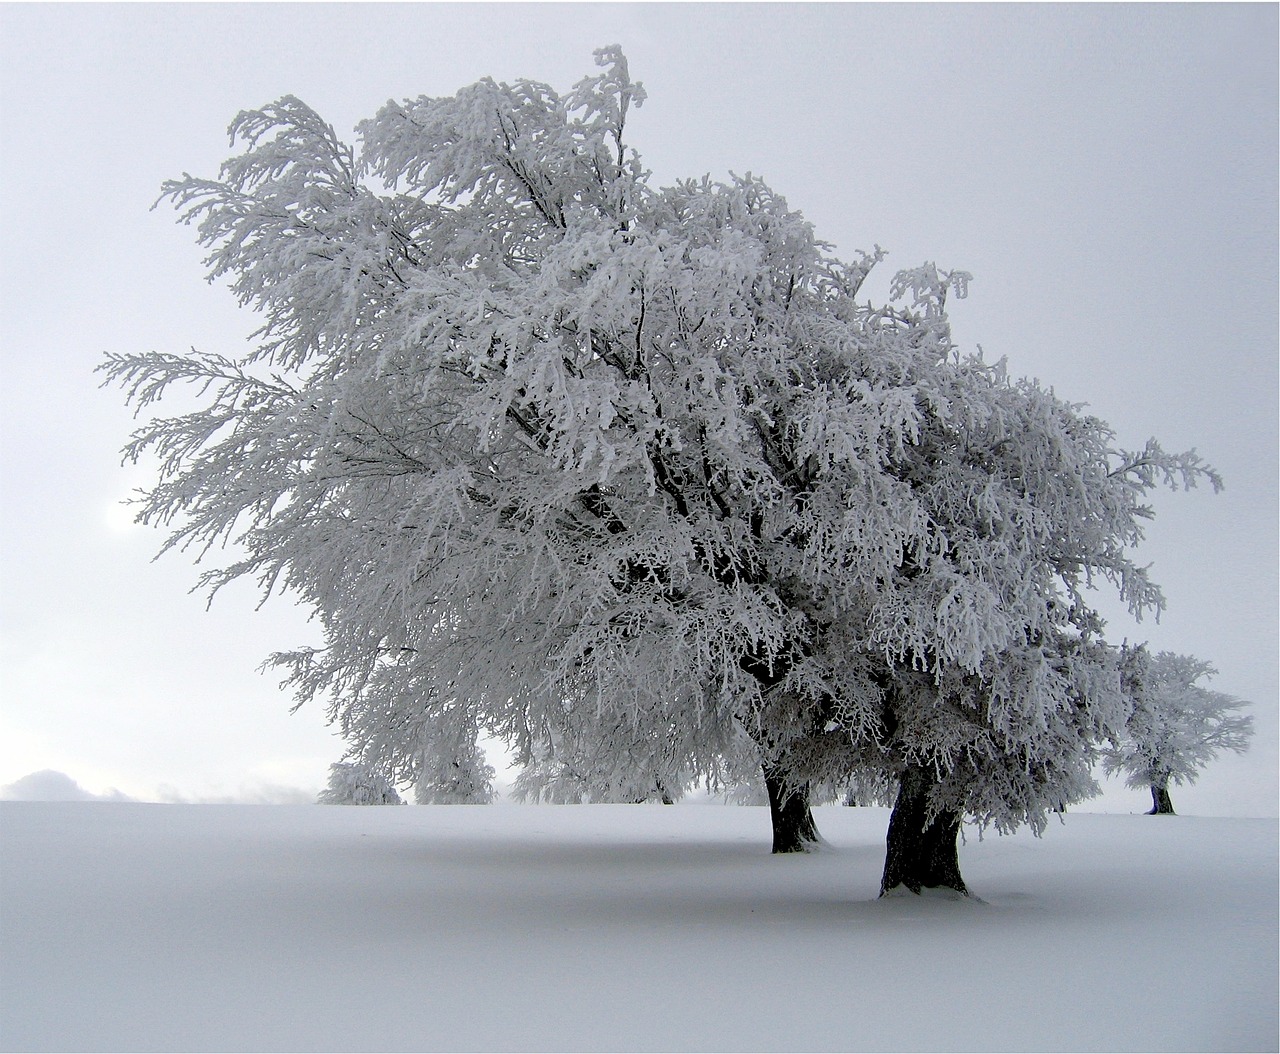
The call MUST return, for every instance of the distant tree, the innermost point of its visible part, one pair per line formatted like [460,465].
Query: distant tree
[588,758]
[351,783]
[413,732]
[452,768]
[1177,726]
[631,480]
[869,786]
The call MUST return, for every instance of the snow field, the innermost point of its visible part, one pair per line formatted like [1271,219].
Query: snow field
[167,927]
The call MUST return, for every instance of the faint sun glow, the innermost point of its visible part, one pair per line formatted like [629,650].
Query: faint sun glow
[119,517]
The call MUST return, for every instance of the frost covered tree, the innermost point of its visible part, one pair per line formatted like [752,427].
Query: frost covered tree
[999,685]
[628,478]
[451,767]
[351,783]
[521,426]
[596,758]
[1177,725]
[420,736]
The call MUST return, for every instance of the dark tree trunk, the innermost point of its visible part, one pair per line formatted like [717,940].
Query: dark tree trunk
[919,854]
[793,828]
[1161,803]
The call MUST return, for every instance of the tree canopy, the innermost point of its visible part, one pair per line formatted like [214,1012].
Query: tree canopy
[628,476]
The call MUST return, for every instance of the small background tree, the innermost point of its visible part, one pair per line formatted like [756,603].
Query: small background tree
[351,783]
[1177,727]
[452,766]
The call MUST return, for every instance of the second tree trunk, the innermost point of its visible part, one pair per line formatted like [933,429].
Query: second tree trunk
[921,853]
[1161,803]
[793,828]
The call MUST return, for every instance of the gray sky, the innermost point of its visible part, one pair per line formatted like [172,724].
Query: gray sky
[1108,174]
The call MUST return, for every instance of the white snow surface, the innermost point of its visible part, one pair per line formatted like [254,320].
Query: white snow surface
[135,927]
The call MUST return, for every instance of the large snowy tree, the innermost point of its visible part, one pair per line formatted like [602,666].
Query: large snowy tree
[1177,725]
[1000,686]
[629,474]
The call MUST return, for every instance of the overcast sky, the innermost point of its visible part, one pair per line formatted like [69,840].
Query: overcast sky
[1108,174]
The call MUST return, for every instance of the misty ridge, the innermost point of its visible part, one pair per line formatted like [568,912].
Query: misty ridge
[49,785]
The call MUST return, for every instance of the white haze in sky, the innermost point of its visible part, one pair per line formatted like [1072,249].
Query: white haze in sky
[1108,174]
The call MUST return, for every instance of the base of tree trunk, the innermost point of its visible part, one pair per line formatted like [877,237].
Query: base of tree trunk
[1161,803]
[921,853]
[794,830]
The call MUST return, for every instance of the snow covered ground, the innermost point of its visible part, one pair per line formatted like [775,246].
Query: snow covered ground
[209,927]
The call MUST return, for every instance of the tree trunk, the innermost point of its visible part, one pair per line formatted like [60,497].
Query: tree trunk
[1161,803]
[793,828]
[921,855]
